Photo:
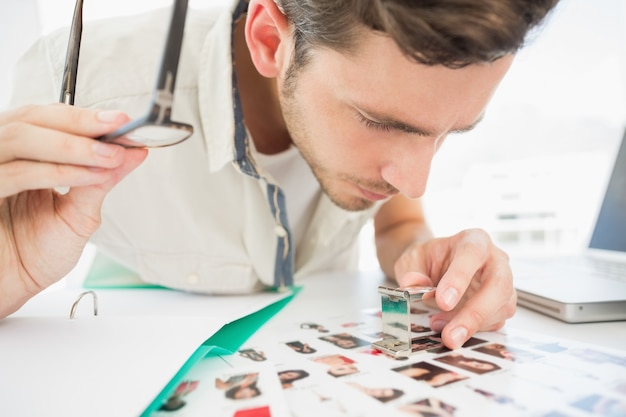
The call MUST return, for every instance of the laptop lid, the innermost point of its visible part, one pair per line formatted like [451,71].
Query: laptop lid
[559,290]
[609,232]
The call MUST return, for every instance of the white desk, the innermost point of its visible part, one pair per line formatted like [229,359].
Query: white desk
[550,370]
[608,334]
[321,297]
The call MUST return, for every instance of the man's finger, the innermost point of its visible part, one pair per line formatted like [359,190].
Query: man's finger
[23,141]
[470,250]
[19,176]
[410,279]
[87,201]
[494,302]
[70,119]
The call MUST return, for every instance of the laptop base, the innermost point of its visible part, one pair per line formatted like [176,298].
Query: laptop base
[574,312]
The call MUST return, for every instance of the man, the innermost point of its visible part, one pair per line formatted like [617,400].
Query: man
[327,111]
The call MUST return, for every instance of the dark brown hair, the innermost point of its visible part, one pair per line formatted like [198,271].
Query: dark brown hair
[453,33]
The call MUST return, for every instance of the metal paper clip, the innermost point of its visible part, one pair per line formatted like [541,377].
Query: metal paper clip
[75,305]
[396,318]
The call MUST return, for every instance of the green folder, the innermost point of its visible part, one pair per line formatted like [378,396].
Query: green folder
[107,273]
[225,342]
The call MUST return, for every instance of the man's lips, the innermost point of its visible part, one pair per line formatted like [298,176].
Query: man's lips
[373,196]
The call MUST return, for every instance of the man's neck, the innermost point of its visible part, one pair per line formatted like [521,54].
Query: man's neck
[259,99]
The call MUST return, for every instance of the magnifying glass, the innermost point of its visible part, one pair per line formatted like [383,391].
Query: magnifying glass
[156,128]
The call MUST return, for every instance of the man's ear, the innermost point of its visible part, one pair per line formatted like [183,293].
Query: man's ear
[267,34]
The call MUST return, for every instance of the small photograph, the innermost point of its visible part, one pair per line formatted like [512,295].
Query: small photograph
[380,393]
[300,347]
[338,365]
[472,341]
[314,326]
[551,347]
[262,411]
[377,335]
[176,400]
[343,370]
[425,342]
[601,406]
[619,387]
[418,328]
[251,391]
[351,324]
[596,356]
[326,399]
[438,350]
[428,407]
[477,366]
[333,360]
[499,398]
[289,376]
[556,414]
[345,340]
[253,355]
[433,375]
[508,353]
[238,387]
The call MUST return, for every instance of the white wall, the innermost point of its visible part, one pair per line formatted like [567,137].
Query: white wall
[548,138]
[19,27]
[23,21]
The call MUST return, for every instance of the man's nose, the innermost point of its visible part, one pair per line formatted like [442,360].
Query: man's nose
[409,166]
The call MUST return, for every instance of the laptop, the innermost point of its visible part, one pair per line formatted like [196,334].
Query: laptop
[591,286]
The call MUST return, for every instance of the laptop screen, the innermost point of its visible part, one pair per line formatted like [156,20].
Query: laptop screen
[610,230]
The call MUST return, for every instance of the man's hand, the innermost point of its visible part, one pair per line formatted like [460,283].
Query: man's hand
[473,279]
[43,232]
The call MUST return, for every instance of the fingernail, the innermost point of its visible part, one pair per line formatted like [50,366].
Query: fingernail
[104,149]
[438,325]
[459,336]
[449,297]
[108,116]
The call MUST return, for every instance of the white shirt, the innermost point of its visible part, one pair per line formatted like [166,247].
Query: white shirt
[294,176]
[190,217]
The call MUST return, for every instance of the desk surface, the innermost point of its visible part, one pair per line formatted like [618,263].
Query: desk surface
[327,296]
[537,366]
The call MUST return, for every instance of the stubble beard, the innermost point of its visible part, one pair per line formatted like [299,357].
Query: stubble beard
[303,141]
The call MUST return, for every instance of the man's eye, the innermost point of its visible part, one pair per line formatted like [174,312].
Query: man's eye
[371,124]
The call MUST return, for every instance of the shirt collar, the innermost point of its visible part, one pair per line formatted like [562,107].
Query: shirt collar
[220,122]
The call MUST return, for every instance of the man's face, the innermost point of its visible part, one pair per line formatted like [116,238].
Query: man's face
[369,123]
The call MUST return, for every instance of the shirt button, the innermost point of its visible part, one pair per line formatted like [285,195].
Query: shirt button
[193,278]
[280,231]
